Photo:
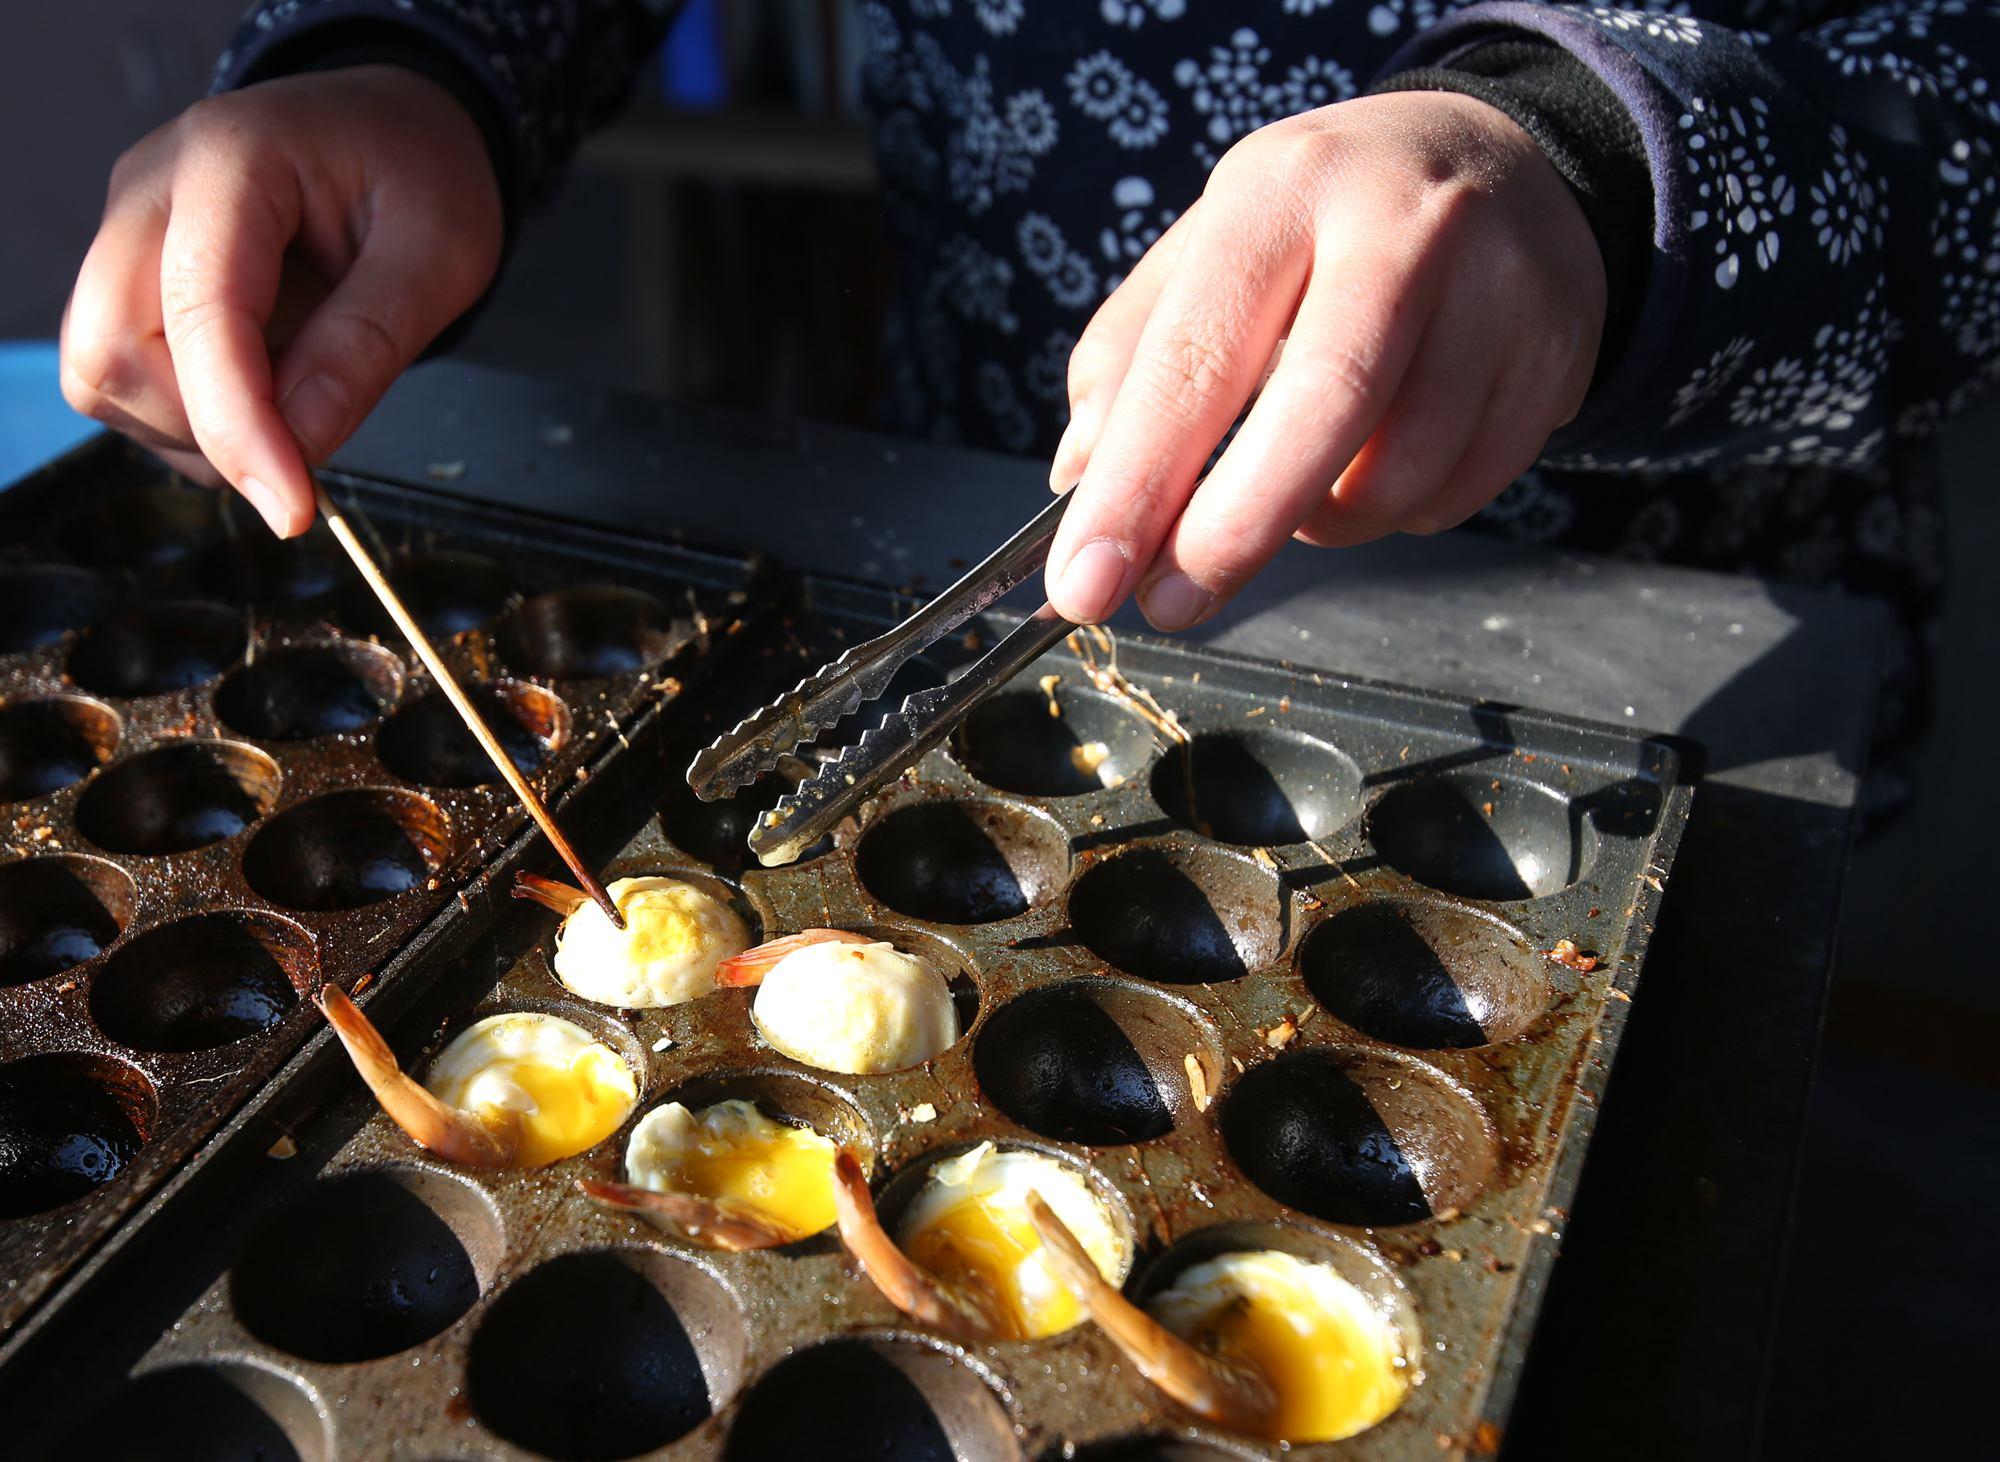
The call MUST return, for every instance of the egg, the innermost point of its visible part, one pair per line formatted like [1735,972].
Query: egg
[569,1090]
[1331,1354]
[855,1008]
[969,1226]
[674,936]
[732,1152]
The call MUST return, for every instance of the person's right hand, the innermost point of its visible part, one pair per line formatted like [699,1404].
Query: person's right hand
[269,262]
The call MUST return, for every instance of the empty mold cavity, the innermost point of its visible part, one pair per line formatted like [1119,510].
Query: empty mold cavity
[1097,1061]
[68,1125]
[446,593]
[1425,974]
[228,1412]
[40,603]
[606,1353]
[145,527]
[51,743]
[297,692]
[1257,787]
[861,1399]
[962,861]
[1358,1138]
[1180,915]
[1058,744]
[158,649]
[427,743]
[1481,836]
[367,1264]
[254,567]
[718,832]
[597,629]
[56,912]
[346,849]
[203,981]
[1143,1449]
[183,795]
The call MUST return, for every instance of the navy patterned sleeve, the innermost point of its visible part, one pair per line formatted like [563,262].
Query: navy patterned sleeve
[553,70]
[1825,275]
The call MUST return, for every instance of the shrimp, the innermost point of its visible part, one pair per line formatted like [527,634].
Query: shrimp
[750,967]
[715,1222]
[550,894]
[1215,1387]
[485,1139]
[904,1283]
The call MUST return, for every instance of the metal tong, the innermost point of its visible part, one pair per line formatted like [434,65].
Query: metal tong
[863,673]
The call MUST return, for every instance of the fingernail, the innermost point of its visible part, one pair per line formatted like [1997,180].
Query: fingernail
[1175,602]
[317,410]
[270,507]
[1091,580]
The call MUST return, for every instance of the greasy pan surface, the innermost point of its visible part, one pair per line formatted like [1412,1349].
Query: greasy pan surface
[1333,903]
[217,790]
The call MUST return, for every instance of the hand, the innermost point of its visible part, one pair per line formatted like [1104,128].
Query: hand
[268,263]
[1426,298]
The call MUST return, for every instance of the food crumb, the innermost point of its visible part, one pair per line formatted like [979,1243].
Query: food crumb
[1280,1035]
[1567,953]
[283,1148]
[923,1112]
[1048,683]
[1487,808]
[1255,711]
[445,471]
[1088,756]
[664,1043]
[1263,856]
[1197,1082]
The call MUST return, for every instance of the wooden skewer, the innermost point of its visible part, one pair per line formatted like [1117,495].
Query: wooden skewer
[336,520]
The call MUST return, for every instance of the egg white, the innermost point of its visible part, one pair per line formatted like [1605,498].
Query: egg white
[674,937]
[855,1008]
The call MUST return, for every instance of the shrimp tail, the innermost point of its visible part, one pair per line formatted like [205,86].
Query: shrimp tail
[715,1223]
[450,1133]
[1211,1386]
[903,1282]
[550,894]
[750,967]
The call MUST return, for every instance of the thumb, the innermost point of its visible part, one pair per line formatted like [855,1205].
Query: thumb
[404,288]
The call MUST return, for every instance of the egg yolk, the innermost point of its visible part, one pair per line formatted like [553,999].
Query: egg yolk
[991,1249]
[565,1107]
[784,1173]
[1337,1369]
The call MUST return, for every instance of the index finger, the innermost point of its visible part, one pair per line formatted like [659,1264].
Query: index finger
[219,268]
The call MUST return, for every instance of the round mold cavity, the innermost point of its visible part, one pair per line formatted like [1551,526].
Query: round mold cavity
[254,567]
[1013,742]
[718,832]
[159,649]
[226,1412]
[40,603]
[785,1096]
[68,1125]
[1258,788]
[962,861]
[606,1353]
[145,527]
[864,1398]
[1482,837]
[342,850]
[1180,915]
[1359,1138]
[179,796]
[1424,974]
[588,631]
[204,981]
[446,593]
[367,1264]
[426,742]
[1144,1449]
[1097,1061]
[56,912]
[298,692]
[52,743]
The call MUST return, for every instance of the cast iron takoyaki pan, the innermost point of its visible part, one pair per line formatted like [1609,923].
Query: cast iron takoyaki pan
[1282,984]
[223,780]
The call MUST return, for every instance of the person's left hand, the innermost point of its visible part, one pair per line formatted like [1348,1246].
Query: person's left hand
[1426,298]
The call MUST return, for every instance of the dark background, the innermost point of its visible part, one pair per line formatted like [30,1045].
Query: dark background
[766,205]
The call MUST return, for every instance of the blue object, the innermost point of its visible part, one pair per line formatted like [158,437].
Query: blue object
[693,71]
[35,422]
